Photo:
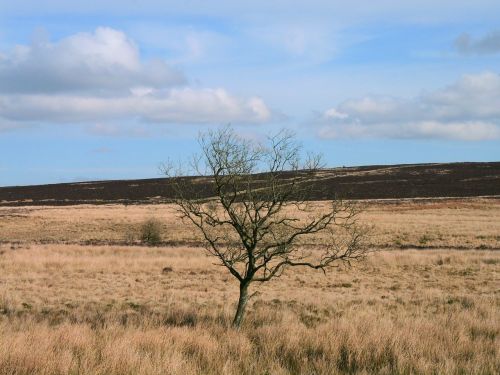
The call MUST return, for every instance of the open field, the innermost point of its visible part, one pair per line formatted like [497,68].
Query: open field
[75,297]
[471,223]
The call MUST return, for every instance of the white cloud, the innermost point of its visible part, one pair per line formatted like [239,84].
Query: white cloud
[332,113]
[100,77]
[488,44]
[186,105]
[100,61]
[467,110]
[467,131]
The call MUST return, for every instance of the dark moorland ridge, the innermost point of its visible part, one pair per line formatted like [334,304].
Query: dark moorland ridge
[368,182]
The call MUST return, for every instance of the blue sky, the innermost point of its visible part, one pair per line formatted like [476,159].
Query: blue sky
[109,90]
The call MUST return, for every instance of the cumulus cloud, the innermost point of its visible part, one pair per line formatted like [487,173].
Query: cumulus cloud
[467,110]
[103,60]
[99,77]
[488,44]
[186,105]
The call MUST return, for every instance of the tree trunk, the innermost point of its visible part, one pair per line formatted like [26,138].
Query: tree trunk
[242,303]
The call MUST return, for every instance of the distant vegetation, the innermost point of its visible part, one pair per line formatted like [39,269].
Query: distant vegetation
[151,232]
[368,182]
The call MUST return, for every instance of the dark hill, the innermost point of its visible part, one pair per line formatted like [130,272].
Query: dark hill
[369,182]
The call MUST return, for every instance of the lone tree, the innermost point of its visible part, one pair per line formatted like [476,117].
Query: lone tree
[258,210]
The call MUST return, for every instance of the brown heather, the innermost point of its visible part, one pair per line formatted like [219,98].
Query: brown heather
[67,307]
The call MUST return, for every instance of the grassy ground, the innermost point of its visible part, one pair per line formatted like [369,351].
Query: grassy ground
[66,308]
[450,223]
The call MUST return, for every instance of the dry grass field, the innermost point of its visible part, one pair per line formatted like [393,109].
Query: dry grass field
[441,223]
[77,298]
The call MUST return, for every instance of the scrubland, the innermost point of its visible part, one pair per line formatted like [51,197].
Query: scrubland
[80,295]
[445,223]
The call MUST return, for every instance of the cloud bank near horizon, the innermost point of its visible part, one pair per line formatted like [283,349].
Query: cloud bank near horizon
[467,110]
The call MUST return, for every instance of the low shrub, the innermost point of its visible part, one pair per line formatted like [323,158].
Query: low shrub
[151,232]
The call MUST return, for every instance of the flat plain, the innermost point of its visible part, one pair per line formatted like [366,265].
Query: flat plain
[79,294]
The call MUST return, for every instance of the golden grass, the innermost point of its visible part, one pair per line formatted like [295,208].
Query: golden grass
[111,310]
[449,223]
[66,308]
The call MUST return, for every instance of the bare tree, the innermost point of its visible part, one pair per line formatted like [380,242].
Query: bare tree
[258,211]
